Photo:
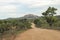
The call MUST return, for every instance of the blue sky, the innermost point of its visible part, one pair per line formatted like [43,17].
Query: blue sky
[18,8]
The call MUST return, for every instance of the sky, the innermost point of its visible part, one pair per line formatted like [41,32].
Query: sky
[19,8]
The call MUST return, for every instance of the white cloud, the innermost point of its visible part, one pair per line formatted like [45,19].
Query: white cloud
[8,8]
[37,3]
[7,11]
[6,0]
[32,3]
[56,2]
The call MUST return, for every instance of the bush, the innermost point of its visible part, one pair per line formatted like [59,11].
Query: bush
[41,23]
[13,25]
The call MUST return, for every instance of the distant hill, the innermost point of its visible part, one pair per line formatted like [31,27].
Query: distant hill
[30,16]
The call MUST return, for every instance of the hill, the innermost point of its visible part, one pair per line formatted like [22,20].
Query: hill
[29,16]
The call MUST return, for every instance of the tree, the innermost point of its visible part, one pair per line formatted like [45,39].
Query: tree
[49,15]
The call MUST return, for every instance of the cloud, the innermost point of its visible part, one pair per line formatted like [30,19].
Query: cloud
[7,11]
[8,8]
[38,3]
[7,1]
[18,8]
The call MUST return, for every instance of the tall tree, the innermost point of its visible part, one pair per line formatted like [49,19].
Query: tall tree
[49,15]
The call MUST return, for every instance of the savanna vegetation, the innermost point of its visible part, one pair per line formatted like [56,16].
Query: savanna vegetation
[13,26]
[48,20]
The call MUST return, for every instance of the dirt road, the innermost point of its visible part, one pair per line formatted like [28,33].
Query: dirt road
[39,34]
